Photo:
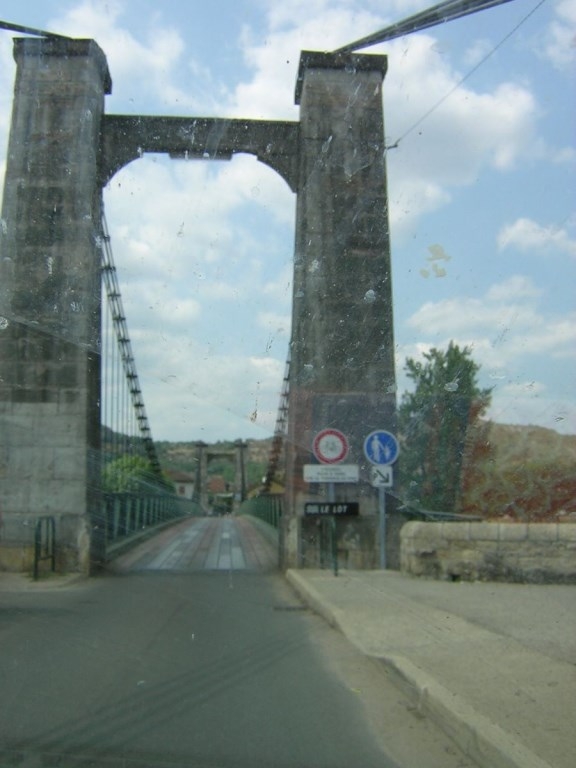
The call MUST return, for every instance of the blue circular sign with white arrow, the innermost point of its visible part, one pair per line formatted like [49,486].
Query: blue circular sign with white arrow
[381,447]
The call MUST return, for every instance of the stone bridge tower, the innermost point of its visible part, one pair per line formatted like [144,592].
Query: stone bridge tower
[63,149]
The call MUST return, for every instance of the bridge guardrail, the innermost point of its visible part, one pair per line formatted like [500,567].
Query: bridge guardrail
[267,507]
[126,514]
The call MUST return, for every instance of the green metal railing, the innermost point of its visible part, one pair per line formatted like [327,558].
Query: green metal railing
[267,508]
[127,514]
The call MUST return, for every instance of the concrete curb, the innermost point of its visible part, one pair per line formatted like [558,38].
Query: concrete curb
[479,738]
[23,582]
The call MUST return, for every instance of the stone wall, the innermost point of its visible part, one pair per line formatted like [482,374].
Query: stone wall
[536,553]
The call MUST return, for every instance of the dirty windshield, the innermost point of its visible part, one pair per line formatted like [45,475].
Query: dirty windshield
[287,368]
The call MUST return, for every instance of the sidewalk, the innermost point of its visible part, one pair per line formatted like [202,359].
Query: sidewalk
[493,664]
[48,582]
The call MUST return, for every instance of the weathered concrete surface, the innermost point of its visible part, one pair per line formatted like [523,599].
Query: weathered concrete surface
[127,137]
[50,298]
[514,552]
[342,348]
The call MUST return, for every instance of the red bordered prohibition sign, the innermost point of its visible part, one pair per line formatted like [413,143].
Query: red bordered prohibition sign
[330,446]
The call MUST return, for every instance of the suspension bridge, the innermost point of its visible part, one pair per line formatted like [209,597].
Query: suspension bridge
[77,448]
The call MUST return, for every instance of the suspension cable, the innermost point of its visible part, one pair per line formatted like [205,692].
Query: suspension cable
[279,431]
[438,14]
[31,31]
[126,367]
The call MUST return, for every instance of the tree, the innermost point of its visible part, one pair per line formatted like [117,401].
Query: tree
[133,473]
[435,420]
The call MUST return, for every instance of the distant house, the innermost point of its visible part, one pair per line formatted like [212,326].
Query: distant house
[183,483]
[217,486]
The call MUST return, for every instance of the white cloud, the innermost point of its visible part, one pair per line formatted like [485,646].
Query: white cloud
[148,67]
[560,36]
[191,390]
[503,327]
[514,288]
[527,235]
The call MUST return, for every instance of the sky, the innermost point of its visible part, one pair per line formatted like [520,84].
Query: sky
[479,118]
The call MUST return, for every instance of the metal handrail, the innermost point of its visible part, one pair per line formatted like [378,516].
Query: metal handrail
[44,547]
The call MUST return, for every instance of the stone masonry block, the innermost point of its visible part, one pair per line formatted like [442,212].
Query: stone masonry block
[413,530]
[512,531]
[567,532]
[455,531]
[68,463]
[543,531]
[484,531]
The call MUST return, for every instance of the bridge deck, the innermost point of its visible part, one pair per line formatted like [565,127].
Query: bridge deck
[204,544]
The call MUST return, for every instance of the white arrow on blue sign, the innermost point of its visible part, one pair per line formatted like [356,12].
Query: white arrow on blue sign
[381,447]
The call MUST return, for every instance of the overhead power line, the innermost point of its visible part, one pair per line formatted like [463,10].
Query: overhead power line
[438,14]
[469,74]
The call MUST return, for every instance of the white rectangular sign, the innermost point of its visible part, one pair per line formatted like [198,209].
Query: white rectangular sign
[331,473]
[381,477]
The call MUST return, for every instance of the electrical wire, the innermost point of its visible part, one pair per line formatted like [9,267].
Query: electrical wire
[466,77]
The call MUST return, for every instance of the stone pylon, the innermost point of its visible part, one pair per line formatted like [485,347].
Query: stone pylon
[50,301]
[342,372]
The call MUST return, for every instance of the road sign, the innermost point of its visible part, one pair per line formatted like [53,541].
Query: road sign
[330,446]
[382,477]
[331,473]
[320,508]
[381,447]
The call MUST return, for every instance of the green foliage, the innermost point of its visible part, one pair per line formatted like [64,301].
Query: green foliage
[132,473]
[435,420]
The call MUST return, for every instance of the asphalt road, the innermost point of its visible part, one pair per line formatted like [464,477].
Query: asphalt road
[167,664]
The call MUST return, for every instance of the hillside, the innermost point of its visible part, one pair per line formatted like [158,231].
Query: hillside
[512,472]
[182,457]
[521,473]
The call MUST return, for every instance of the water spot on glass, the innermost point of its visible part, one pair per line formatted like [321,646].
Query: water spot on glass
[299,294]
[437,253]
[140,152]
[314,266]
[370,296]
[451,386]
[50,265]
[4,226]
[326,145]
[4,323]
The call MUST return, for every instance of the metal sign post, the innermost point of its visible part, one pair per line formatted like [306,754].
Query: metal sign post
[382,525]
[381,449]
